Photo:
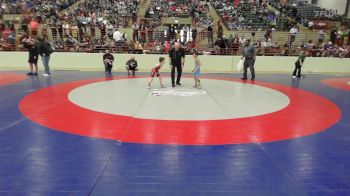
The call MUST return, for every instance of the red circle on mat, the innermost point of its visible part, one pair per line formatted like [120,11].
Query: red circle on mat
[306,114]
[10,78]
[338,83]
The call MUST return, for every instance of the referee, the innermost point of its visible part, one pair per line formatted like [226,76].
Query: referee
[177,60]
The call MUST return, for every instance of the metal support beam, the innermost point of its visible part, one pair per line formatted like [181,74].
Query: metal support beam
[347,8]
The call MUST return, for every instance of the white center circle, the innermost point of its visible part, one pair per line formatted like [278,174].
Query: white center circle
[218,99]
[349,83]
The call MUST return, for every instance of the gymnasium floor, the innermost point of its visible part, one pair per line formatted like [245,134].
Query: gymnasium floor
[82,133]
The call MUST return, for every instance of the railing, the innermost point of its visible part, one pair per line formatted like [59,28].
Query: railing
[129,49]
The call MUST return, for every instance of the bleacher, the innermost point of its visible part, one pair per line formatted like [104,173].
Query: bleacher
[172,8]
[92,38]
[256,17]
[305,10]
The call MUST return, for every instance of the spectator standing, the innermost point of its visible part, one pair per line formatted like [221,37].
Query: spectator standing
[109,28]
[293,33]
[210,35]
[66,30]
[220,31]
[321,36]
[333,35]
[45,51]
[135,31]
[194,34]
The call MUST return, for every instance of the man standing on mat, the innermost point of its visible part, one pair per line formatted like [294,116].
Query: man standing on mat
[108,61]
[45,51]
[177,60]
[249,54]
[299,63]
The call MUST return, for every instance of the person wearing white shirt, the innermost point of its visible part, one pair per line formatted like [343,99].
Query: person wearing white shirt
[65,27]
[117,36]
[311,25]
[321,36]
[293,33]
[135,31]
[109,29]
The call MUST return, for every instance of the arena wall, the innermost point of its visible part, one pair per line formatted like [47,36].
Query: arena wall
[216,64]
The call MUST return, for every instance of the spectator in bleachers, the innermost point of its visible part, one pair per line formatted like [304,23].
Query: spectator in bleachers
[194,33]
[135,31]
[167,46]
[138,46]
[71,42]
[333,35]
[117,36]
[293,33]
[34,26]
[321,36]
[210,34]
[109,29]
[220,30]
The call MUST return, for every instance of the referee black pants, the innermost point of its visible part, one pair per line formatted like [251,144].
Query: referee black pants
[179,73]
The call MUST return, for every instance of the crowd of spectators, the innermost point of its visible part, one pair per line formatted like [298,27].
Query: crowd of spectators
[76,26]
[250,15]
[306,13]
[76,29]
[41,8]
[104,14]
[301,10]
[168,8]
[200,14]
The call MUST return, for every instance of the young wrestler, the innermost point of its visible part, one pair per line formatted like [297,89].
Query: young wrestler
[155,72]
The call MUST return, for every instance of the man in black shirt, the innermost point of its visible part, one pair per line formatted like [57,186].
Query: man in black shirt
[45,51]
[131,65]
[108,60]
[177,60]
[333,35]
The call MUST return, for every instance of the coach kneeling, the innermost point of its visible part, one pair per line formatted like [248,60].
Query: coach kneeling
[108,60]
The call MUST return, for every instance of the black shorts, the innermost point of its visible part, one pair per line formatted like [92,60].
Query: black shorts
[33,60]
